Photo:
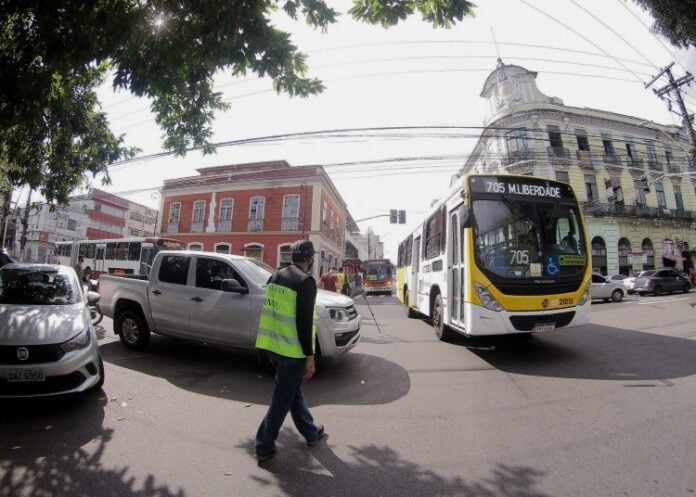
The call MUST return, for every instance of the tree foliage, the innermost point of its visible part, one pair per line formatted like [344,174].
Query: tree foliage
[674,19]
[54,54]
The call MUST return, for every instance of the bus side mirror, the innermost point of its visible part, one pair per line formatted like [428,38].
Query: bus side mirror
[466,217]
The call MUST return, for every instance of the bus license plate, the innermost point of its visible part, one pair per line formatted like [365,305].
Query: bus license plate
[539,328]
[25,375]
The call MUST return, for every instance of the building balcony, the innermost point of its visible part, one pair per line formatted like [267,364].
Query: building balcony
[634,162]
[290,224]
[224,226]
[654,165]
[612,159]
[517,156]
[638,210]
[255,225]
[672,169]
[585,160]
[197,227]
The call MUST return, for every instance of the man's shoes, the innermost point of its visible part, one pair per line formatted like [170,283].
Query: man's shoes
[261,457]
[321,433]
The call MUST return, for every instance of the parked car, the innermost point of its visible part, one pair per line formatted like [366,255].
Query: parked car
[604,289]
[662,280]
[618,278]
[212,298]
[5,258]
[48,345]
[630,282]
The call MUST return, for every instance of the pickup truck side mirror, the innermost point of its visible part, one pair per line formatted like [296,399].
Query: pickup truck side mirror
[93,298]
[233,286]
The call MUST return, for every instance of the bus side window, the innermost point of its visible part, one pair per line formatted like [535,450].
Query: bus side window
[110,251]
[134,251]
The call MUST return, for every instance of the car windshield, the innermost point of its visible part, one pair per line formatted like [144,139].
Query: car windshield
[37,287]
[645,274]
[377,271]
[519,238]
[258,272]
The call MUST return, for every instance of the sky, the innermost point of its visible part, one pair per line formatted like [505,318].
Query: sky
[410,75]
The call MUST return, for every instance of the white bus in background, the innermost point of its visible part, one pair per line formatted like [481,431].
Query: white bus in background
[118,256]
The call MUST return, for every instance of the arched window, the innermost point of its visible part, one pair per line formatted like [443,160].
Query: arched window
[647,248]
[284,255]
[599,255]
[254,251]
[225,219]
[257,207]
[291,213]
[222,248]
[195,246]
[624,250]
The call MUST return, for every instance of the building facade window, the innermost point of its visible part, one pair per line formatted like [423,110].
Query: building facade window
[640,194]
[72,225]
[195,246]
[254,251]
[284,255]
[225,218]
[599,255]
[291,213]
[591,188]
[608,144]
[174,211]
[660,192]
[555,139]
[647,248]
[222,248]
[516,140]
[256,212]
[134,216]
[624,250]
[669,156]
[324,213]
[678,199]
[631,153]
[652,155]
[111,211]
[581,137]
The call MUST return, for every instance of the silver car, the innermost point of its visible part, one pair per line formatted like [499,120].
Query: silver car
[48,345]
[605,289]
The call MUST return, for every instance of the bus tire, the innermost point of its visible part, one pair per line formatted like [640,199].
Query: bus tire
[132,329]
[438,319]
[410,313]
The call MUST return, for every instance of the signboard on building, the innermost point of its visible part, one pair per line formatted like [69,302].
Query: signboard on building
[637,258]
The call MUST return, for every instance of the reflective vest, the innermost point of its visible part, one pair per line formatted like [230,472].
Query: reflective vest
[278,325]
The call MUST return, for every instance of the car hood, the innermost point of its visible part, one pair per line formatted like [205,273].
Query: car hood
[332,299]
[40,324]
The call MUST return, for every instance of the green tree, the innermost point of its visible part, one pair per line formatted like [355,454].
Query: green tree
[54,54]
[674,19]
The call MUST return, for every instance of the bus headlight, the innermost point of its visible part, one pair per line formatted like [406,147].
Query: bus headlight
[586,294]
[487,300]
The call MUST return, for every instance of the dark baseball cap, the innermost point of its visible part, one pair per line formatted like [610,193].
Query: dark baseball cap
[302,250]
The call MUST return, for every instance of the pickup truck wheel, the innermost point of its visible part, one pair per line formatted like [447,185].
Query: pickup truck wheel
[132,330]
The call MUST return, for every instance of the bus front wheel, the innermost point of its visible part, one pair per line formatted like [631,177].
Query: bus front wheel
[438,319]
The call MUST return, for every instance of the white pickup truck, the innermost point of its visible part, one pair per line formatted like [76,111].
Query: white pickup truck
[212,298]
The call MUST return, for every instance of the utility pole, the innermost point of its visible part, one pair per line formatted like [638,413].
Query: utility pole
[675,86]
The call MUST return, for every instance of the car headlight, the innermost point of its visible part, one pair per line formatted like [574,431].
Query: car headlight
[338,314]
[586,294]
[79,341]
[487,300]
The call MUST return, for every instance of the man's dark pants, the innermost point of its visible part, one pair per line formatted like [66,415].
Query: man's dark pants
[287,396]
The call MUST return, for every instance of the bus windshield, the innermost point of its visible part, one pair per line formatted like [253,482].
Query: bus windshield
[528,238]
[377,271]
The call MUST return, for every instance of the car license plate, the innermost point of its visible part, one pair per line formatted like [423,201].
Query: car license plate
[25,375]
[541,327]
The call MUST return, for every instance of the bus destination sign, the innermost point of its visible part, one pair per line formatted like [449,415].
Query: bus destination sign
[531,187]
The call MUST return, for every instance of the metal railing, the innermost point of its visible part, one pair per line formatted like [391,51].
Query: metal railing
[172,228]
[558,152]
[634,162]
[197,227]
[638,210]
[654,164]
[517,156]
[255,225]
[585,160]
[612,159]
[290,224]
[224,226]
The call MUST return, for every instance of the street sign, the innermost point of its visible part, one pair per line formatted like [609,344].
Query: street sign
[637,258]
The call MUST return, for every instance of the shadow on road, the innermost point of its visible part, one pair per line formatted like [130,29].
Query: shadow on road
[590,352]
[54,446]
[356,379]
[376,470]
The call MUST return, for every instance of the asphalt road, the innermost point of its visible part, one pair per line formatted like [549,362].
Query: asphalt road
[603,410]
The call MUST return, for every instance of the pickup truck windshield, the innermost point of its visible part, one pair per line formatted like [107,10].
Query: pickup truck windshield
[31,287]
[258,272]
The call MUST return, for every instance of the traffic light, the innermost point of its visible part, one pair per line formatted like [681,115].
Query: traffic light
[644,184]
[393,216]
[402,217]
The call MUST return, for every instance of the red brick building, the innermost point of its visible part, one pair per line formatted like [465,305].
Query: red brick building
[257,210]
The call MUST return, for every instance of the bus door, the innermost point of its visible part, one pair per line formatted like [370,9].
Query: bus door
[415,291]
[99,259]
[454,269]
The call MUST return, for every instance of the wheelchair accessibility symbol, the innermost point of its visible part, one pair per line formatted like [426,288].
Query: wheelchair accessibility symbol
[553,265]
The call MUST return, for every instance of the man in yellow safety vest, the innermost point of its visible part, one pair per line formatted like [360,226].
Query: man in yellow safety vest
[287,332]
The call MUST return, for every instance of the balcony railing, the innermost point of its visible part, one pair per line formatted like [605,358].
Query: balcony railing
[517,156]
[654,164]
[290,224]
[197,227]
[638,210]
[585,160]
[672,169]
[612,159]
[224,226]
[559,152]
[634,162]
[255,225]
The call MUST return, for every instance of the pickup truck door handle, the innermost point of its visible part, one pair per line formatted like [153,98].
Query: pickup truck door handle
[156,292]
[197,299]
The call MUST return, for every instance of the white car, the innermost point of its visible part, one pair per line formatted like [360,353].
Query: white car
[48,345]
[606,290]
[630,283]
[618,278]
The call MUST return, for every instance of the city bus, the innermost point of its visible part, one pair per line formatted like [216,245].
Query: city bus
[502,254]
[377,276]
[114,256]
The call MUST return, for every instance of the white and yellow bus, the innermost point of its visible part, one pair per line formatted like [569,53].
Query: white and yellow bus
[502,254]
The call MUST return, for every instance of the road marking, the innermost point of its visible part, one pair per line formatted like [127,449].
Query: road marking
[662,300]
